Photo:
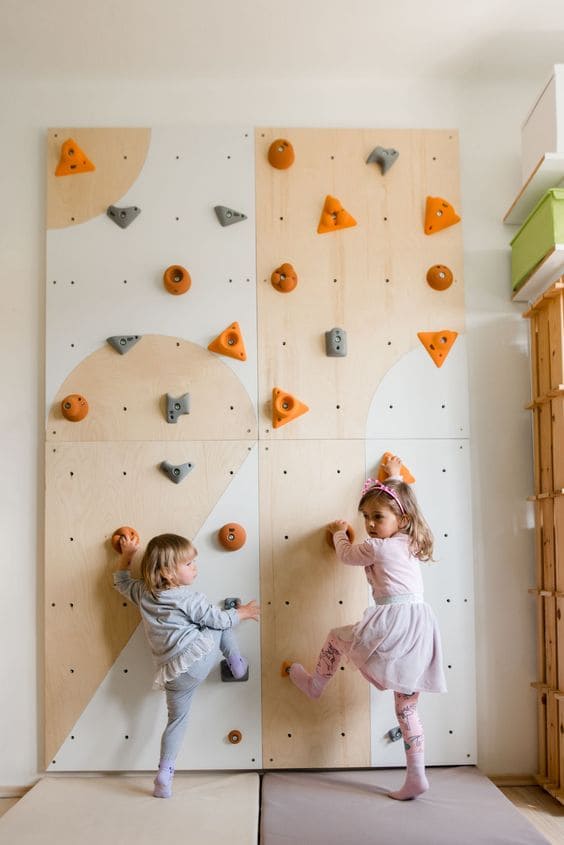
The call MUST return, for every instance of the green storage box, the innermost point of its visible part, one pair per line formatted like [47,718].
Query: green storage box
[537,237]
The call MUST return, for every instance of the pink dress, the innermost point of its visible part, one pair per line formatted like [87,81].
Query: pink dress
[397,643]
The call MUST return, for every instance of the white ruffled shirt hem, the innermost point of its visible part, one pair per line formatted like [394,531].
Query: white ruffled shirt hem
[182,662]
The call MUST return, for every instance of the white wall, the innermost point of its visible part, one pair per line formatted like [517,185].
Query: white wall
[488,114]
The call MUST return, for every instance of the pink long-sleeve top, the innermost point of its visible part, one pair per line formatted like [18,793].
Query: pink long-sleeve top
[390,567]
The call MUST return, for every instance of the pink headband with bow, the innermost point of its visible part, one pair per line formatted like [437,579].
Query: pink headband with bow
[374,484]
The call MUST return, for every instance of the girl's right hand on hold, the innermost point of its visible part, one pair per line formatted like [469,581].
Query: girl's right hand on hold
[392,467]
[251,610]
[128,546]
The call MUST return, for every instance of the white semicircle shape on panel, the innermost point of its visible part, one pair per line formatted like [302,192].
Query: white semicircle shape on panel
[418,399]
[121,726]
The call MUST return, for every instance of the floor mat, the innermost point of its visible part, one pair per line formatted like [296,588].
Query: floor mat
[352,808]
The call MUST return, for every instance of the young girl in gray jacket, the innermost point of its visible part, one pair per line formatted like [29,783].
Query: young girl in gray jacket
[185,632]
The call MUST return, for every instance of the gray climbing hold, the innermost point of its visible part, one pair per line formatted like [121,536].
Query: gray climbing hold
[228,216]
[384,157]
[123,343]
[336,343]
[176,406]
[394,734]
[176,472]
[227,676]
[123,216]
[231,603]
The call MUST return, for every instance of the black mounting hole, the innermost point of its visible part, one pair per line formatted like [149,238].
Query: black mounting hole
[285,536]
[340,601]
[281,218]
[286,602]
[343,733]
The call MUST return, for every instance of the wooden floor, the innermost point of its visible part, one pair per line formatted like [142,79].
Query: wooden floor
[543,811]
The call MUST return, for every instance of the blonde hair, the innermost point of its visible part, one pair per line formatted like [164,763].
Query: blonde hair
[162,556]
[421,537]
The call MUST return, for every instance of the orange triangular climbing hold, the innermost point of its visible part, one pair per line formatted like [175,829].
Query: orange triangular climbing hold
[438,344]
[230,342]
[439,214]
[285,407]
[383,475]
[334,217]
[73,160]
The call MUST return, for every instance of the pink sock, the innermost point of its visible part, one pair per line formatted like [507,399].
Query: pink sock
[416,782]
[311,685]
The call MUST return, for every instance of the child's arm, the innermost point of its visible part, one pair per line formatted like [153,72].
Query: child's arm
[207,615]
[360,555]
[123,582]
[392,467]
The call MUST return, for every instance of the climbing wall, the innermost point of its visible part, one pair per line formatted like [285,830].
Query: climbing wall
[279,442]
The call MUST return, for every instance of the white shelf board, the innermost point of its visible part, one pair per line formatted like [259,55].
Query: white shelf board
[547,272]
[549,173]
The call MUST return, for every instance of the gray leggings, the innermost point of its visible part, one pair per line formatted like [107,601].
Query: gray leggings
[179,692]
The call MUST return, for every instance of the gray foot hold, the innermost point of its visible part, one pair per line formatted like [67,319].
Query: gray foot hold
[176,472]
[123,343]
[228,216]
[336,343]
[394,734]
[123,216]
[228,678]
[231,603]
[176,406]
[384,157]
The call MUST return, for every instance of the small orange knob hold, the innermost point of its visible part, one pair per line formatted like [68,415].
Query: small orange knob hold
[124,531]
[74,407]
[285,407]
[232,536]
[439,277]
[230,342]
[285,668]
[281,154]
[176,279]
[284,278]
[404,472]
[73,160]
[334,217]
[350,535]
[439,214]
[234,737]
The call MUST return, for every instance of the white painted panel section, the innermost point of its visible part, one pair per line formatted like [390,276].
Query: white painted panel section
[126,706]
[103,280]
[418,399]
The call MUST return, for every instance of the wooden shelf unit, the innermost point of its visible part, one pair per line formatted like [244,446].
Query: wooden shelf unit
[546,317]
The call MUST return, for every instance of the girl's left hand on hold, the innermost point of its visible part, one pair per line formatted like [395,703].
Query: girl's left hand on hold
[337,525]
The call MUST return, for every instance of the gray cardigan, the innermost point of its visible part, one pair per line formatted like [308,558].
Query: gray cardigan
[177,619]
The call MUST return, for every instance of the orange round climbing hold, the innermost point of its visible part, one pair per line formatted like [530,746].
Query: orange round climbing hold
[284,278]
[350,535]
[234,737]
[232,536]
[74,407]
[176,279]
[281,154]
[439,277]
[125,531]
[285,668]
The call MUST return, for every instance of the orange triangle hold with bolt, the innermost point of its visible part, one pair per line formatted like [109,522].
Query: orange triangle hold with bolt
[438,344]
[404,472]
[230,342]
[439,214]
[334,217]
[285,407]
[73,160]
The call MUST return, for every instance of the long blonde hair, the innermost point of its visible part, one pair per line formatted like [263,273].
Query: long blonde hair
[421,537]
[160,561]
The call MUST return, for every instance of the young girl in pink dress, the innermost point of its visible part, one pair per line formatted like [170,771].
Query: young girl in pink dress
[396,645]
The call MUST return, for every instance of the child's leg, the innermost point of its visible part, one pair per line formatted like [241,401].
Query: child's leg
[327,664]
[179,695]
[230,650]
[413,739]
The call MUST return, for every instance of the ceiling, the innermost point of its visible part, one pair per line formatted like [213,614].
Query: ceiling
[323,39]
